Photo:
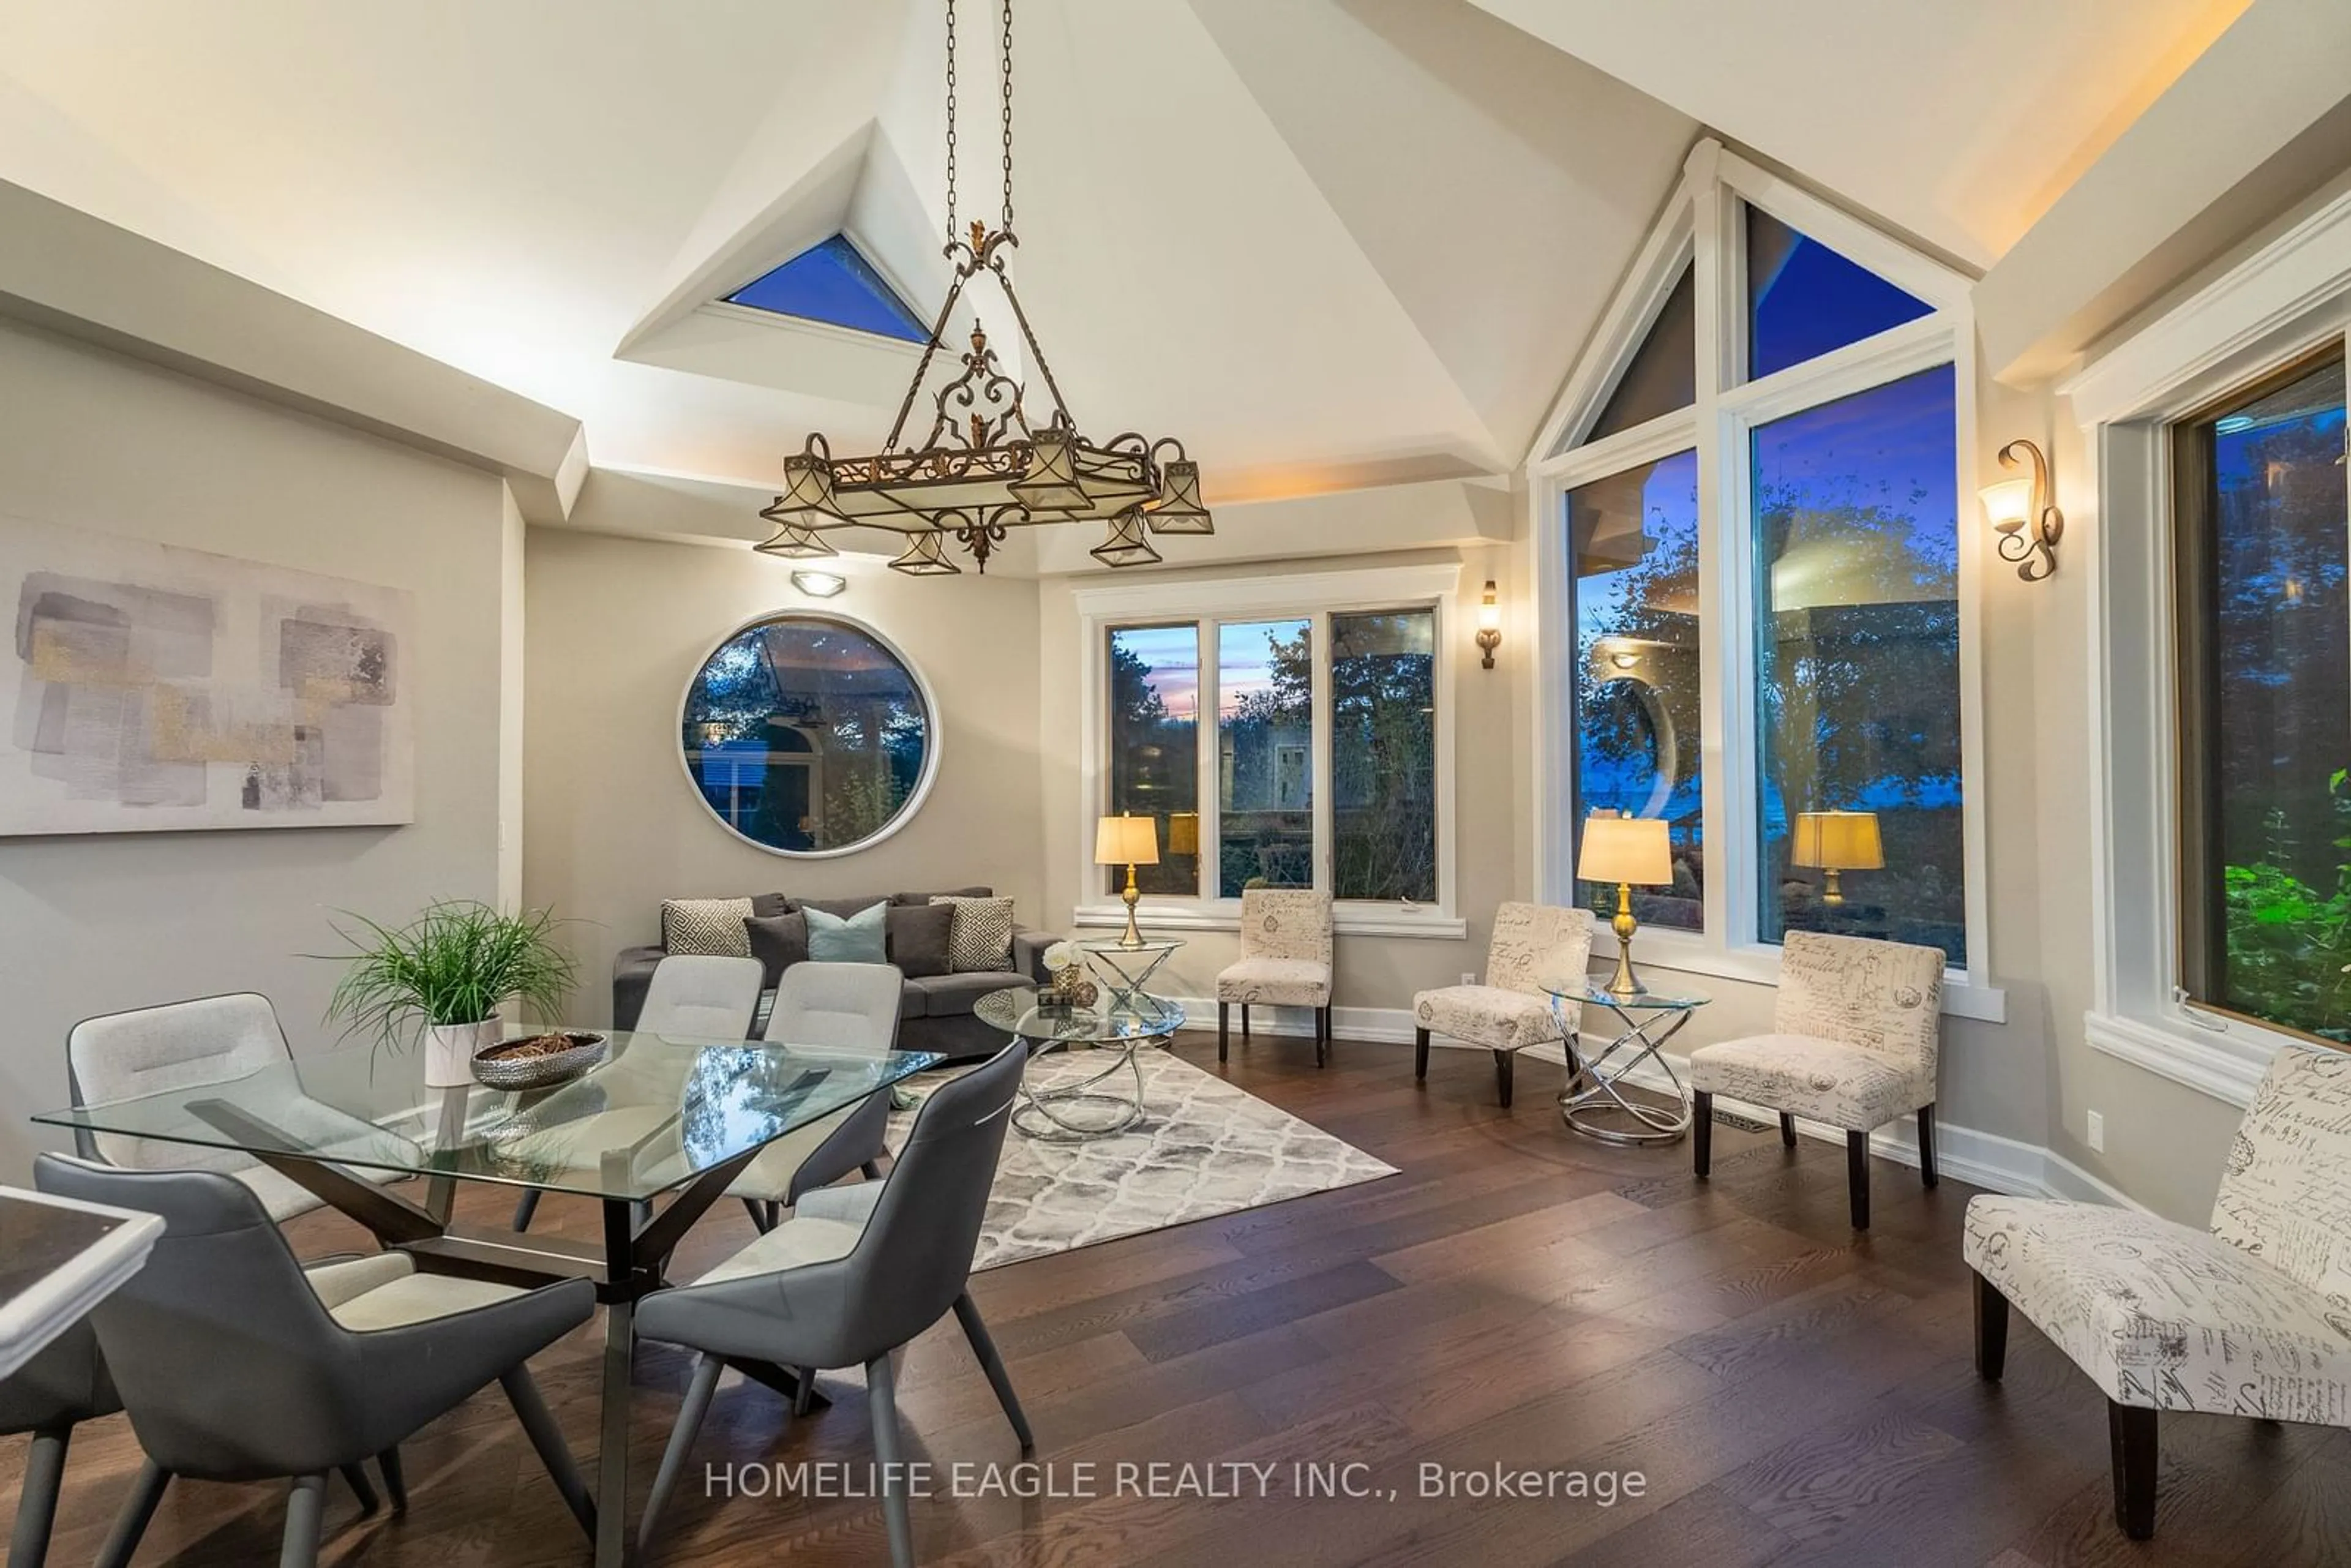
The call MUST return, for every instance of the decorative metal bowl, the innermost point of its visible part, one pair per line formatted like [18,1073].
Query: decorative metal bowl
[529,1064]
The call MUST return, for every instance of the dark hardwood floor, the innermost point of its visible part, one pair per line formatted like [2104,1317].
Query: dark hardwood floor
[1788,1393]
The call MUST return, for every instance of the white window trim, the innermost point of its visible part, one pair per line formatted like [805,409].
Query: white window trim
[1695,229]
[1311,594]
[2292,297]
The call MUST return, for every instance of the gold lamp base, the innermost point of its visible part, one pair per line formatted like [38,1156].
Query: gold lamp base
[1133,935]
[1624,982]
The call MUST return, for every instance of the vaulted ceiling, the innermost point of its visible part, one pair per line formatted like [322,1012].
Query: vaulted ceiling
[1327,242]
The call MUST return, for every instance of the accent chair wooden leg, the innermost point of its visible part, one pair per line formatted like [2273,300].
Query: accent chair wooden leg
[1991,1331]
[1322,1034]
[1701,1132]
[1927,1171]
[1224,1030]
[1857,1176]
[2132,1430]
[1245,1006]
[1503,1061]
[1420,1054]
[1787,1131]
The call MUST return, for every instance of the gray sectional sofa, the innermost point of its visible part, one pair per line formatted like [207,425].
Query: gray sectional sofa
[934,1010]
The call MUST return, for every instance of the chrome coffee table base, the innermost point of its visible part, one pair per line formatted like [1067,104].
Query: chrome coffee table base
[1079,1113]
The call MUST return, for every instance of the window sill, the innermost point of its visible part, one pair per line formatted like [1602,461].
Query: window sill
[1347,919]
[1685,953]
[2225,1061]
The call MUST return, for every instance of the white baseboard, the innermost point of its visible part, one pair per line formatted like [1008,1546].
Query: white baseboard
[1986,1160]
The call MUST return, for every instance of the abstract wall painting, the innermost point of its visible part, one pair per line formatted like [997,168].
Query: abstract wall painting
[150,688]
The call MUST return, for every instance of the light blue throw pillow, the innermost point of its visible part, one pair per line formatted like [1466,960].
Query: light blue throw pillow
[863,938]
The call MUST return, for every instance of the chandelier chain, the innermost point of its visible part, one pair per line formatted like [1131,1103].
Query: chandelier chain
[951,121]
[1007,115]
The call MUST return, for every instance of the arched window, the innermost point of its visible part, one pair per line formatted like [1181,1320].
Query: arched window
[808,735]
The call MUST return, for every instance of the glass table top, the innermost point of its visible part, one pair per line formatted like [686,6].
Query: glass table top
[1583,988]
[659,1110]
[1119,944]
[1015,1011]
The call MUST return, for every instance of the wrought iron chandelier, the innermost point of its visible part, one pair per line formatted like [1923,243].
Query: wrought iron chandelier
[987,466]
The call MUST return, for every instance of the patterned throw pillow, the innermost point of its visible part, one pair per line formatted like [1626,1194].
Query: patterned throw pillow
[863,938]
[979,940]
[707,926]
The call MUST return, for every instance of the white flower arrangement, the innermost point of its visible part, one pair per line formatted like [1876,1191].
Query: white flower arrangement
[1063,955]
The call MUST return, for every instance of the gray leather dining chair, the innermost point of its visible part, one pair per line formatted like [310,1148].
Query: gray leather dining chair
[695,996]
[856,1274]
[63,1385]
[234,1365]
[840,1007]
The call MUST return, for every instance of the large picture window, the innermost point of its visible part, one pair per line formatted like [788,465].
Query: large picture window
[1281,742]
[2263,525]
[1751,584]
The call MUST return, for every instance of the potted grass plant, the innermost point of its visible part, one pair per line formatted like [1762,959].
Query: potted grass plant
[445,974]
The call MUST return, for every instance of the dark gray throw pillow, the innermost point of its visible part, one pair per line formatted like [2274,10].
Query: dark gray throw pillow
[918,937]
[778,941]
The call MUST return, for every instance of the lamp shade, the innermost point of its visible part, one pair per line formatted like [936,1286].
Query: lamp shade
[1183,833]
[1635,850]
[1126,840]
[2008,503]
[1843,841]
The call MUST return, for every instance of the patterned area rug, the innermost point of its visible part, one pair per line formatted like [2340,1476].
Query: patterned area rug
[1203,1147]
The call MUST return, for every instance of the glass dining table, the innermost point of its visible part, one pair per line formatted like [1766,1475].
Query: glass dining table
[654,1133]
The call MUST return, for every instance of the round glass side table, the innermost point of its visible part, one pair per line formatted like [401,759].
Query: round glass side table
[1600,1109]
[1089,1105]
[1127,970]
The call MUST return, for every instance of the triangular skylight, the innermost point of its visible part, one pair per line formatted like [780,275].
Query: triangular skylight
[1663,376]
[830,282]
[1804,299]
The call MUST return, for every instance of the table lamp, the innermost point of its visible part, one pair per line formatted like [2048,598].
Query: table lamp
[1129,840]
[1626,851]
[1837,842]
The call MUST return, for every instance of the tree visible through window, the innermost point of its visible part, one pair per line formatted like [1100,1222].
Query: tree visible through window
[1265,756]
[1155,747]
[2264,528]
[1857,668]
[1384,755]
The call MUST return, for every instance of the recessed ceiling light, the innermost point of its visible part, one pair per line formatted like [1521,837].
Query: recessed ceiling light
[819,584]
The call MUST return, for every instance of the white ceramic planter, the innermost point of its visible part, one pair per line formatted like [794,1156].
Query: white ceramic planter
[449,1051]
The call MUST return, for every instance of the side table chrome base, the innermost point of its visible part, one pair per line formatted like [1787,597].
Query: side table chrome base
[1602,1110]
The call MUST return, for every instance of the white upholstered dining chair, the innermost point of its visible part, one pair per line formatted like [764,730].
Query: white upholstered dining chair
[2250,1317]
[1285,962]
[1531,943]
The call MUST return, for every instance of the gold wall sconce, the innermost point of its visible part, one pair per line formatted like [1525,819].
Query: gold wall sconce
[1489,626]
[2024,513]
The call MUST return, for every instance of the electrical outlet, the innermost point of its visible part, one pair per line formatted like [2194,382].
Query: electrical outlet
[1468,977]
[2094,1128]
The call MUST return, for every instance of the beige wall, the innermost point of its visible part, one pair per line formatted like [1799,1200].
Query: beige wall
[615,629]
[97,924]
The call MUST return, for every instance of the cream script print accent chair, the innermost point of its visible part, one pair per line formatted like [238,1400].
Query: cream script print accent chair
[1531,943]
[2250,1318]
[1855,1033]
[1285,962]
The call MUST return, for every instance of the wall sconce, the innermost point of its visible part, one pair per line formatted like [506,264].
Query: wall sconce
[819,584]
[2014,503]
[1490,625]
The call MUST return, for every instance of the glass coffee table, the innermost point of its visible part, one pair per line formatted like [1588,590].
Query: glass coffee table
[1089,1105]
[1600,1109]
